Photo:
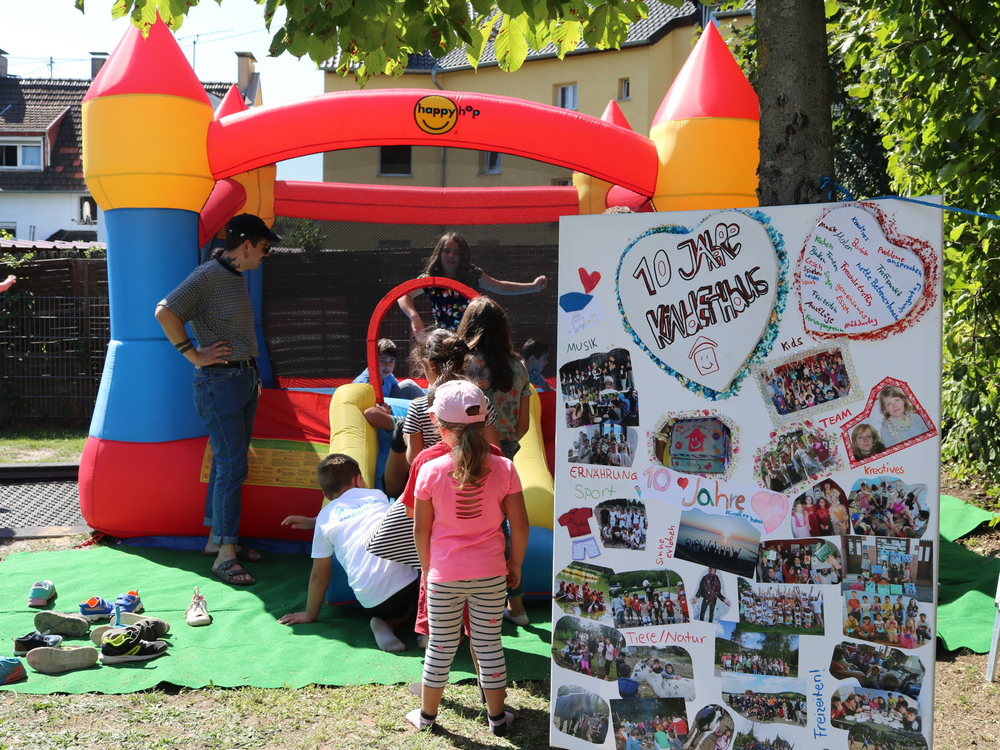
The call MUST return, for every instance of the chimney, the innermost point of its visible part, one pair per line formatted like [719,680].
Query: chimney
[246,62]
[3,64]
[97,60]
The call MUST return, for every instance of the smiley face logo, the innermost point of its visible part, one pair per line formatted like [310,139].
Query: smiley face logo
[435,114]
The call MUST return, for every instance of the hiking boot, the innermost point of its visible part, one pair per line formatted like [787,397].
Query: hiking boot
[34,640]
[41,593]
[126,644]
[150,629]
[197,611]
[96,608]
[62,623]
[11,670]
[65,659]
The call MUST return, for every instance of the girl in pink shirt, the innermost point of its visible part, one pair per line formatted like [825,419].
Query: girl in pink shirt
[461,500]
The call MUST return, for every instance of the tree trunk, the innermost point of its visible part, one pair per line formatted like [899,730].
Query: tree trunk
[793,83]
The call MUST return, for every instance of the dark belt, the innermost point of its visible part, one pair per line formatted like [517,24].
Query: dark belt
[241,363]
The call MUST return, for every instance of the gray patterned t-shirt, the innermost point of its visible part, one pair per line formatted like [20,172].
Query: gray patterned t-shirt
[216,302]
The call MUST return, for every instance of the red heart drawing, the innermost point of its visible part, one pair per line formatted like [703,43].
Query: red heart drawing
[682,483]
[589,280]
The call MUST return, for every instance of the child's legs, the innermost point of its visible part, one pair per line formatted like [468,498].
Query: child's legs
[486,604]
[445,602]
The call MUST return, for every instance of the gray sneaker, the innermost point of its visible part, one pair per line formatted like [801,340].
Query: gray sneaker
[62,623]
[150,628]
[126,644]
[52,660]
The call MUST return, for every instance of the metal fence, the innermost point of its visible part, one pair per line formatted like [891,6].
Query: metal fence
[52,353]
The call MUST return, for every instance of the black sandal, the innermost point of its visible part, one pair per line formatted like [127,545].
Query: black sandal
[224,572]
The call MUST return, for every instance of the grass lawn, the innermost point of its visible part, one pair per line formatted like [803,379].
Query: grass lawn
[31,445]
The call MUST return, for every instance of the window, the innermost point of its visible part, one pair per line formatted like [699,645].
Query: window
[491,162]
[88,210]
[566,96]
[21,155]
[562,182]
[8,228]
[623,89]
[395,161]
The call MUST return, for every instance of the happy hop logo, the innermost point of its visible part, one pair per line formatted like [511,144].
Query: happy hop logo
[438,114]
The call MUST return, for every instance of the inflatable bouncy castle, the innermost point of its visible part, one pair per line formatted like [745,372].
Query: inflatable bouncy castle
[169,172]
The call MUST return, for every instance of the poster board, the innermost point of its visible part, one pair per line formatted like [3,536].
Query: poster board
[747,479]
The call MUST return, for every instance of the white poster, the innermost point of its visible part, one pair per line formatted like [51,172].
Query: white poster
[747,471]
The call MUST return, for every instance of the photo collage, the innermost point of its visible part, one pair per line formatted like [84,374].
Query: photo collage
[756,561]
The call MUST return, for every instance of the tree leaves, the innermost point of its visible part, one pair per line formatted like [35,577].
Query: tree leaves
[368,37]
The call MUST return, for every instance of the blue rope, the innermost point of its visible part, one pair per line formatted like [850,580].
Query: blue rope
[829,185]
[942,207]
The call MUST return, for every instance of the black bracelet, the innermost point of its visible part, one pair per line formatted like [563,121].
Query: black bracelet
[184,345]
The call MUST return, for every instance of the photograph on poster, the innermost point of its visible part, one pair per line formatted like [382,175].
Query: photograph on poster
[621,524]
[650,723]
[580,713]
[658,672]
[821,510]
[893,419]
[582,646]
[780,608]
[604,444]
[765,737]
[800,561]
[696,442]
[582,590]
[600,389]
[711,729]
[908,624]
[878,667]
[648,597]
[725,542]
[889,507]
[883,566]
[872,736]
[800,454]
[764,654]
[765,700]
[851,706]
[807,382]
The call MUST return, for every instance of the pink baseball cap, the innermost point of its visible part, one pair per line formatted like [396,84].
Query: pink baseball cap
[459,402]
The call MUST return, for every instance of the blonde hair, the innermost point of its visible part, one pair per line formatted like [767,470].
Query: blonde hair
[891,391]
[471,454]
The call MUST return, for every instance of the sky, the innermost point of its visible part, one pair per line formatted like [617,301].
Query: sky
[32,32]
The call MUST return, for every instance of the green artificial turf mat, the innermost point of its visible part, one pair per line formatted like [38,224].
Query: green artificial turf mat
[959,518]
[244,645]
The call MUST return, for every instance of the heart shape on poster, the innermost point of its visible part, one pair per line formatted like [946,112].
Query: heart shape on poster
[853,280]
[683,482]
[771,507]
[699,301]
[589,280]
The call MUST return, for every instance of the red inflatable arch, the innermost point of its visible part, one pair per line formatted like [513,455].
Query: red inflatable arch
[257,137]
[387,302]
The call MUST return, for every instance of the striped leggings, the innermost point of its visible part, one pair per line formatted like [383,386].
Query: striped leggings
[445,604]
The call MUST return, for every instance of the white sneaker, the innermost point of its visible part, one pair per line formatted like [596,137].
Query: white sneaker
[197,611]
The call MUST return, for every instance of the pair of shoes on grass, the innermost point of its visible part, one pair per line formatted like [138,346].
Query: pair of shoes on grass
[99,608]
[41,594]
[424,722]
[139,642]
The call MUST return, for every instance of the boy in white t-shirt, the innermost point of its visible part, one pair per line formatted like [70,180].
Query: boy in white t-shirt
[386,590]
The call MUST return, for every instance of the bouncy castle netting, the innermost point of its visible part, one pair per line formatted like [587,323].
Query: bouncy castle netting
[318,302]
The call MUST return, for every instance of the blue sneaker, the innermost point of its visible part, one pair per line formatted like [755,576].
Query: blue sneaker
[11,670]
[129,602]
[96,608]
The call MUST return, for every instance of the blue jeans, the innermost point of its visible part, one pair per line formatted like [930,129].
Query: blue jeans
[226,400]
